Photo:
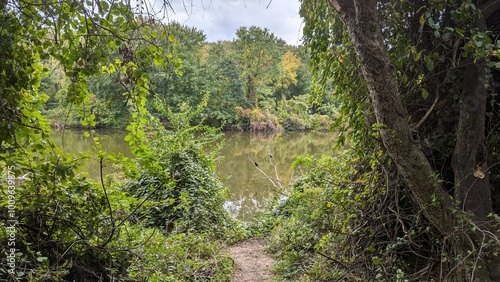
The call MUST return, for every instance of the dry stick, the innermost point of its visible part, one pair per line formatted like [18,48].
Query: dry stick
[275,169]
[265,174]
[428,112]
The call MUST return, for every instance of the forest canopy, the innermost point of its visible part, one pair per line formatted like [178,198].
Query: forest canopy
[256,82]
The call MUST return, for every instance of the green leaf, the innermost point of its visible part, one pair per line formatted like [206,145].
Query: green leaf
[104,5]
[65,7]
[41,259]
[425,93]
[431,22]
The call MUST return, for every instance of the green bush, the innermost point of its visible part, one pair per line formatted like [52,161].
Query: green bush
[193,201]
[66,229]
[183,192]
[326,230]
[72,228]
[350,219]
[181,257]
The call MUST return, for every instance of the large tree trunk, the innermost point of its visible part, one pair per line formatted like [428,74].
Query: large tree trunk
[469,163]
[361,20]
[364,29]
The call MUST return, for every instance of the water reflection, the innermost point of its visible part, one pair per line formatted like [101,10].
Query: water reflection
[249,190]
[73,141]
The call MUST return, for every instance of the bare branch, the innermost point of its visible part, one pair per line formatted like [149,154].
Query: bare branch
[275,182]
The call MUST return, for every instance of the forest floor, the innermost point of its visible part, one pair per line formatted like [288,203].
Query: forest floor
[252,264]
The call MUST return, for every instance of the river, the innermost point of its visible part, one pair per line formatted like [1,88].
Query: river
[248,188]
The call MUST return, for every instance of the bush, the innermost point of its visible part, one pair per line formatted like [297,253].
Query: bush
[67,230]
[181,257]
[76,229]
[256,120]
[191,202]
[182,192]
[343,222]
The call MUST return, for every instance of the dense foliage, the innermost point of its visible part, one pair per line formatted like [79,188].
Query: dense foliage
[60,225]
[361,216]
[256,82]
[186,195]
[342,223]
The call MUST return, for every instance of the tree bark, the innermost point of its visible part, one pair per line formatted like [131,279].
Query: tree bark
[361,20]
[363,25]
[469,163]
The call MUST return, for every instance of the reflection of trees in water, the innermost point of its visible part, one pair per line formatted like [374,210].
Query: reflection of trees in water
[73,141]
[249,190]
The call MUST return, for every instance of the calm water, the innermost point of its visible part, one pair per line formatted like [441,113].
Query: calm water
[249,189]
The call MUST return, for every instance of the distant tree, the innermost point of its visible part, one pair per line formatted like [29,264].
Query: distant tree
[189,83]
[225,85]
[288,76]
[259,57]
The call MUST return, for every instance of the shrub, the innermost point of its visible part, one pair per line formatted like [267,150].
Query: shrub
[76,229]
[340,224]
[256,120]
[191,201]
[67,230]
[181,257]
[182,191]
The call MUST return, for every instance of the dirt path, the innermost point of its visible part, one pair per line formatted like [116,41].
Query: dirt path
[251,263]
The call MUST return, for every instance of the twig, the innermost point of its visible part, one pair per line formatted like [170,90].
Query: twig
[344,266]
[113,229]
[275,168]
[275,182]
[428,112]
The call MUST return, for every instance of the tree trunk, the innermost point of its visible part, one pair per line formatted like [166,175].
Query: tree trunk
[251,97]
[469,163]
[361,20]
[470,167]
[364,29]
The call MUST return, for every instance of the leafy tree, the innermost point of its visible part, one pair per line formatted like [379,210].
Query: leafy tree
[188,84]
[418,90]
[258,55]
[288,76]
[68,227]
[225,84]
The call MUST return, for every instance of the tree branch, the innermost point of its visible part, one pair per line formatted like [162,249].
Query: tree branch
[489,8]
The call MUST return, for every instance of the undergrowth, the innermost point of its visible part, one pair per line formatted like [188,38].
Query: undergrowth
[350,219]
[160,219]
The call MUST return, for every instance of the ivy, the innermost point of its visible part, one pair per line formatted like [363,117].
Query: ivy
[70,227]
